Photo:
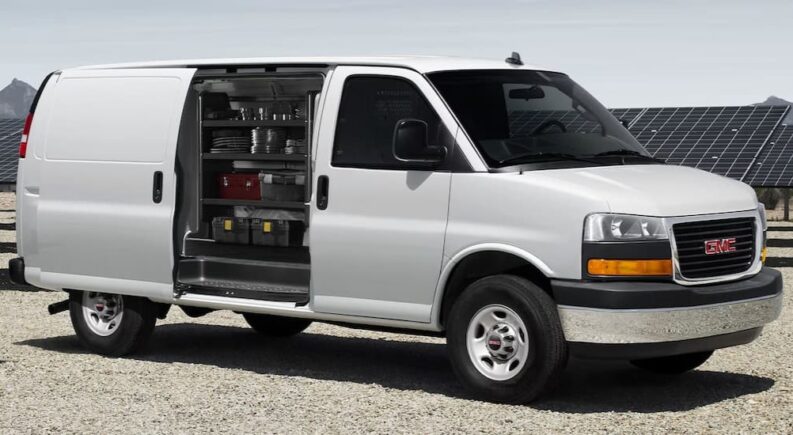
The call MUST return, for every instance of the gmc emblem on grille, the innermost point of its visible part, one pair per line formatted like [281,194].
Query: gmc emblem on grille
[719,246]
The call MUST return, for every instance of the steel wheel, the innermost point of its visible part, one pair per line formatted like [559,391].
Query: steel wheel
[505,339]
[497,342]
[102,312]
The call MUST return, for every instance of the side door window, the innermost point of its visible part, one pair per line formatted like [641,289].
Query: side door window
[370,108]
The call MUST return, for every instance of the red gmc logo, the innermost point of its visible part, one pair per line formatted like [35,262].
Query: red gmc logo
[719,246]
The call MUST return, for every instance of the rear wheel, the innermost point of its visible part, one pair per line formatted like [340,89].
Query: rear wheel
[276,326]
[112,325]
[505,339]
[675,364]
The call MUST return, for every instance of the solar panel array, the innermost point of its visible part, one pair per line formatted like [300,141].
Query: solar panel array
[523,123]
[722,140]
[10,133]
[774,167]
[627,115]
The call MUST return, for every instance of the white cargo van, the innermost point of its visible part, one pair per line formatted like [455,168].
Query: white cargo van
[494,203]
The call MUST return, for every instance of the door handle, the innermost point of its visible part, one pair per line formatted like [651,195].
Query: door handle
[322,192]
[156,191]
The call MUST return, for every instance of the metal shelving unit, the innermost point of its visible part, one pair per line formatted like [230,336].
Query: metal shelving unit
[273,273]
[206,126]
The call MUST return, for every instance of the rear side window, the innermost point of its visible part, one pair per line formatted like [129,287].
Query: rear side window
[121,119]
[370,109]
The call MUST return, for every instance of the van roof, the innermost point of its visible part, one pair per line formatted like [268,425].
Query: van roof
[422,64]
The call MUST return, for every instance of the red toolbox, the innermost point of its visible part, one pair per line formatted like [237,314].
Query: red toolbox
[239,186]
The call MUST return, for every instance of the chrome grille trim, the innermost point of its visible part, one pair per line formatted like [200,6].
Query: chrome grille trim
[691,237]
[754,266]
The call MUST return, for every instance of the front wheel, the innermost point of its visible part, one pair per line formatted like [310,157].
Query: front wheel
[112,325]
[505,339]
[675,364]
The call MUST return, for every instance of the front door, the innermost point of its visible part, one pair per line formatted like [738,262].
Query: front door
[110,143]
[377,243]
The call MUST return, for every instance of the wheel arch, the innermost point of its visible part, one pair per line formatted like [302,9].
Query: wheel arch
[483,260]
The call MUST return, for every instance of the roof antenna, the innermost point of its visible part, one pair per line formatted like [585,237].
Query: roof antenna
[514,59]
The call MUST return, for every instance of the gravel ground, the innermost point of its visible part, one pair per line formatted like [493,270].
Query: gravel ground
[214,374]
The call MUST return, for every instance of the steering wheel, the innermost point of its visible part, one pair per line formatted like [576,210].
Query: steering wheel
[548,124]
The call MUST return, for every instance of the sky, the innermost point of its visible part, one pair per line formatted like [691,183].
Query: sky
[628,53]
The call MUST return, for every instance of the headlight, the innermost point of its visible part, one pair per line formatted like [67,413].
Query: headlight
[761,210]
[623,228]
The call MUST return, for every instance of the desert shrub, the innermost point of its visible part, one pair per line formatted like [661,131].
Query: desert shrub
[769,196]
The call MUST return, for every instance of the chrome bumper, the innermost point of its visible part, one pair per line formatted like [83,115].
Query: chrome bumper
[622,326]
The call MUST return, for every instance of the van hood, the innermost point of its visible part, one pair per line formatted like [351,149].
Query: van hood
[653,190]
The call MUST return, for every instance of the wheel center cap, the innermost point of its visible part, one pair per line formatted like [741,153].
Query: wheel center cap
[494,342]
[501,342]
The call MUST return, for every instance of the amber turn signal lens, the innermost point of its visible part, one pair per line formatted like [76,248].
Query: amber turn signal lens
[763,254]
[602,267]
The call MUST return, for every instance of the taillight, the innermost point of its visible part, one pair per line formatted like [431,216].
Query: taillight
[23,144]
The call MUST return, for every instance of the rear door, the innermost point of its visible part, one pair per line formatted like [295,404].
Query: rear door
[110,146]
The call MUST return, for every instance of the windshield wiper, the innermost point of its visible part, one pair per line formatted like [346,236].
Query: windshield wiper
[626,152]
[551,156]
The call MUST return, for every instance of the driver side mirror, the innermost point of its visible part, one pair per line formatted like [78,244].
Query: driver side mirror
[410,143]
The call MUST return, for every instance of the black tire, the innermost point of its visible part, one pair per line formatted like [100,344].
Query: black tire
[131,335]
[673,365]
[276,326]
[547,347]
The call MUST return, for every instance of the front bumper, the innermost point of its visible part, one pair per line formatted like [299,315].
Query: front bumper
[629,313]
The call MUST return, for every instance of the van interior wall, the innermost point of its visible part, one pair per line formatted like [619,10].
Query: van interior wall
[187,157]
[260,105]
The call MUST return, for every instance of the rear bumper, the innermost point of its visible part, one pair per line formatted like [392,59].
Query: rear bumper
[662,314]
[16,270]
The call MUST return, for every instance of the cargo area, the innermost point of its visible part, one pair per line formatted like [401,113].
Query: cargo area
[244,163]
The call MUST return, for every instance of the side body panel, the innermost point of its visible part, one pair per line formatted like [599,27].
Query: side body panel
[29,176]
[543,220]
[517,214]
[104,136]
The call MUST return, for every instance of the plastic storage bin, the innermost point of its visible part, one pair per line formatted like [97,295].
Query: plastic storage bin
[231,230]
[239,186]
[277,232]
[281,187]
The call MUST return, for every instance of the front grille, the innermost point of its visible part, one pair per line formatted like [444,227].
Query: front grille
[690,238]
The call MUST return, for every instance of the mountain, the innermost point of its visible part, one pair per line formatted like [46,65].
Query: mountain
[15,99]
[776,101]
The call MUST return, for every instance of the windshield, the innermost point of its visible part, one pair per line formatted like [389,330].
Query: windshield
[517,117]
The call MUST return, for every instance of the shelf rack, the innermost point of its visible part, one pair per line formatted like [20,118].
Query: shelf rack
[256,157]
[284,205]
[234,123]
[205,126]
